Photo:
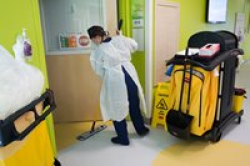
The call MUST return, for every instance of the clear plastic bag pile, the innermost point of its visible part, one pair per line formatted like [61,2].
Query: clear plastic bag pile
[20,84]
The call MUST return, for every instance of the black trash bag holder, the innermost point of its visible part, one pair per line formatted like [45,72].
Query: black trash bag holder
[8,132]
[178,122]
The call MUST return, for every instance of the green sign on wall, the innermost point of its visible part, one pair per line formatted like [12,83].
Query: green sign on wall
[138,19]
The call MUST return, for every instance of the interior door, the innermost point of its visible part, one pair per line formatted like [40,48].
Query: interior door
[76,86]
[167,29]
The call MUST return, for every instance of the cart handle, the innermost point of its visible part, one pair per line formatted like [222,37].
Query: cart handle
[49,100]
[215,62]
[8,129]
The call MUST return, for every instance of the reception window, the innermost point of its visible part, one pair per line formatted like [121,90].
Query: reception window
[65,23]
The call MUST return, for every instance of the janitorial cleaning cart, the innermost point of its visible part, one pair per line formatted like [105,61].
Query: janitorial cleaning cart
[24,138]
[24,106]
[203,85]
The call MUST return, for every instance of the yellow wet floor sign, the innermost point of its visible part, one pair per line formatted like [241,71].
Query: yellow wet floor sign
[161,104]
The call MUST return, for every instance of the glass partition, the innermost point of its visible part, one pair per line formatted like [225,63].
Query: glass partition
[65,23]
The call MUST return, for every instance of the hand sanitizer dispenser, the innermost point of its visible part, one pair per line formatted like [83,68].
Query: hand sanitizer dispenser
[23,48]
[27,48]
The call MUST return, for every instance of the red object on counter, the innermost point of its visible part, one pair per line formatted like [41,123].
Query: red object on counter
[209,50]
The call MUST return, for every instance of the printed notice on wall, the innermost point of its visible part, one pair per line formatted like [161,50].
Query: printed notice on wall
[239,26]
[138,36]
[137,10]
[138,23]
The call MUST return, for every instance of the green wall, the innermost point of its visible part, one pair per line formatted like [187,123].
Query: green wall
[139,57]
[192,20]
[126,9]
[193,14]
[15,15]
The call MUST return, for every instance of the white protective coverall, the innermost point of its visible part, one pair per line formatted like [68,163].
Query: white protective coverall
[107,61]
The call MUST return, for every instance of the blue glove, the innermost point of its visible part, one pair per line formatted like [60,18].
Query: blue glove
[169,70]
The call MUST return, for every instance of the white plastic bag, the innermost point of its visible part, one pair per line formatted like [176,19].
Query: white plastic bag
[20,84]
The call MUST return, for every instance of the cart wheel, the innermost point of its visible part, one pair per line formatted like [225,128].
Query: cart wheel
[239,120]
[218,137]
[215,136]
[57,162]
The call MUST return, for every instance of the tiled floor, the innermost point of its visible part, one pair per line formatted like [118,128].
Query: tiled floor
[66,133]
[158,148]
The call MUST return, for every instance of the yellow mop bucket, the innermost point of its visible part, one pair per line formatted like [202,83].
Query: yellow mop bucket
[238,99]
[24,136]
[34,150]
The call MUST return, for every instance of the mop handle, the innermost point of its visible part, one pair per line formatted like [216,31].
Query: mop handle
[183,78]
[189,87]
[120,24]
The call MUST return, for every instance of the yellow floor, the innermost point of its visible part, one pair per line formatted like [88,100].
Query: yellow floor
[186,153]
[158,149]
[66,133]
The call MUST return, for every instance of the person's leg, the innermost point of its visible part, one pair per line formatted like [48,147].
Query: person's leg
[122,133]
[134,105]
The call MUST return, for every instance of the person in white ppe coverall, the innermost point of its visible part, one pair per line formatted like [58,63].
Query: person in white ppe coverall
[121,92]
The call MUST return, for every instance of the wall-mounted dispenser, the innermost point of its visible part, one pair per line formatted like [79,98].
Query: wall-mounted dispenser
[22,47]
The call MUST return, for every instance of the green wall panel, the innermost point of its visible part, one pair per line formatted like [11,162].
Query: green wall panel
[15,15]
[127,10]
[193,19]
